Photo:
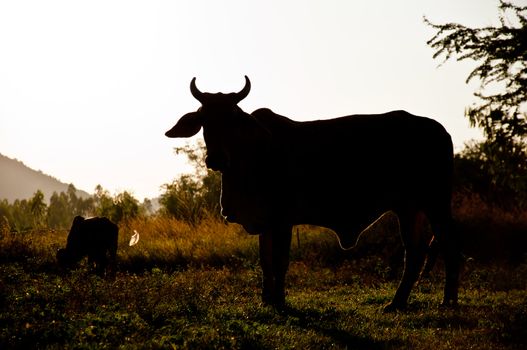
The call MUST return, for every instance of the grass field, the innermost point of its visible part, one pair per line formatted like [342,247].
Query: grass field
[194,287]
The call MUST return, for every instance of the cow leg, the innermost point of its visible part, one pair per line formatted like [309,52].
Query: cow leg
[450,248]
[412,227]
[452,267]
[266,263]
[274,261]
[112,253]
[281,249]
[99,259]
[431,256]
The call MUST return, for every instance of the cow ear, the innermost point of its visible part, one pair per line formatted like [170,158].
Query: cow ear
[187,126]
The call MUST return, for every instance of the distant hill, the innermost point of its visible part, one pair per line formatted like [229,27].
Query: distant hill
[17,181]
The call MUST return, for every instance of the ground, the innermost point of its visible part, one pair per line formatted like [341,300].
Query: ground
[182,289]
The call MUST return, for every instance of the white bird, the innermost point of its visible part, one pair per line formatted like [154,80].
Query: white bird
[134,239]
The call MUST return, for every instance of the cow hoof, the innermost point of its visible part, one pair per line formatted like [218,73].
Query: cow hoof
[393,307]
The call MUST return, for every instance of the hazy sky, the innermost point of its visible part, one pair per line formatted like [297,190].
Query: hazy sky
[88,88]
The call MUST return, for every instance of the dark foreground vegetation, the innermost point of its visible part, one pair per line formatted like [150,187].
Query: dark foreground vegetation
[197,286]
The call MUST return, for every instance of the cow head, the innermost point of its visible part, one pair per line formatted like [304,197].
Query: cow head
[69,256]
[238,146]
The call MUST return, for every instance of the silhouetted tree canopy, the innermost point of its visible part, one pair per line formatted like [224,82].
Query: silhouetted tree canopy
[122,206]
[501,54]
[38,209]
[34,213]
[193,196]
[501,57]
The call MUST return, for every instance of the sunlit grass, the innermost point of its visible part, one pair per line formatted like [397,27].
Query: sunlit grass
[172,243]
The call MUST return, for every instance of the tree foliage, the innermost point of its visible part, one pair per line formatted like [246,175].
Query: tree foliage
[38,209]
[121,207]
[35,213]
[64,206]
[500,110]
[192,197]
[499,181]
[501,54]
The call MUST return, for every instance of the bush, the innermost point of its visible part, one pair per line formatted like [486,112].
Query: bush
[193,197]
[498,176]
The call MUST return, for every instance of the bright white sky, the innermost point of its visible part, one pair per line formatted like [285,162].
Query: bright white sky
[88,88]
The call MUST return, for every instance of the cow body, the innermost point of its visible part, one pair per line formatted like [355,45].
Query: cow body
[95,238]
[339,173]
[344,173]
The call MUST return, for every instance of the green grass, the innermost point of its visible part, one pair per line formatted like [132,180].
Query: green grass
[198,287]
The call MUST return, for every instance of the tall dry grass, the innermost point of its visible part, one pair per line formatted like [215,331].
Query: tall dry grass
[170,243]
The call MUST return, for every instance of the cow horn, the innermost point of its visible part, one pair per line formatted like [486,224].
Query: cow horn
[245,91]
[198,95]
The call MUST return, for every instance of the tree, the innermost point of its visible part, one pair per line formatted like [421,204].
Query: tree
[59,211]
[193,196]
[119,208]
[6,217]
[38,209]
[103,202]
[64,206]
[501,55]
[126,207]
[21,215]
[182,199]
[502,182]
[78,205]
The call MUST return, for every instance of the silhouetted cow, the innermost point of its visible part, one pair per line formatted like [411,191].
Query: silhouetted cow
[339,173]
[95,238]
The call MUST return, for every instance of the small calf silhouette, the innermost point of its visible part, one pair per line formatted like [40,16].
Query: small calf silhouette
[95,238]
